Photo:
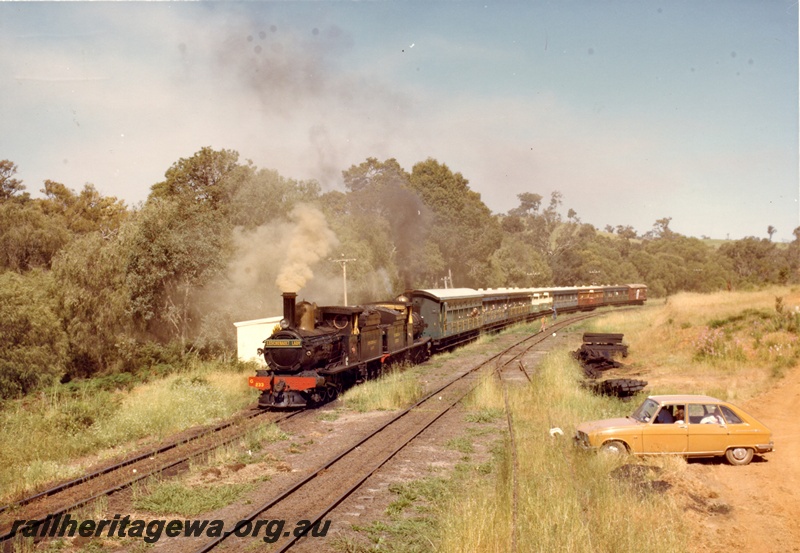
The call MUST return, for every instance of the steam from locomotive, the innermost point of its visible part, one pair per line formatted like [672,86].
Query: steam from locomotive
[311,240]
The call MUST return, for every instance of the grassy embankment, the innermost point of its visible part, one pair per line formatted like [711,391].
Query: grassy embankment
[58,433]
[733,345]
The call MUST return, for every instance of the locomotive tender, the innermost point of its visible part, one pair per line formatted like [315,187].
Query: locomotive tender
[317,352]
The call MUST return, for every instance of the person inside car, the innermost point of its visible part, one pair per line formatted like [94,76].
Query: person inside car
[713,417]
[665,416]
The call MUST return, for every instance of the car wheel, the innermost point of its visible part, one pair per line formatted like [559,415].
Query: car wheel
[739,455]
[616,447]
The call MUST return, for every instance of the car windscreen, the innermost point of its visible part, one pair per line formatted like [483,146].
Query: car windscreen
[645,412]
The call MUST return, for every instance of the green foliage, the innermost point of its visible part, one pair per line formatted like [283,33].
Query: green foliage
[263,195]
[515,263]
[202,179]
[33,231]
[34,345]
[139,288]
[93,302]
[10,188]
[484,415]
[756,261]
[463,227]
[384,215]
[29,239]
[714,344]
[396,389]
[85,212]
[173,250]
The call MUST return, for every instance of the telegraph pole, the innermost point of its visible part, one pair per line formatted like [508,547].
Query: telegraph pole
[343,262]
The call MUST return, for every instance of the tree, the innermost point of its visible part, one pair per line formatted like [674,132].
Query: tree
[514,263]
[793,256]
[84,212]
[32,351]
[528,204]
[93,302]
[660,229]
[627,232]
[10,188]
[29,238]
[174,249]
[202,179]
[572,215]
[262,196]
[383,204]
[463,228]
[771,230]
[757,261]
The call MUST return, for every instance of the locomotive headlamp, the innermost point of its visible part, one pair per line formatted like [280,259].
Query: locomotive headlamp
[284,324]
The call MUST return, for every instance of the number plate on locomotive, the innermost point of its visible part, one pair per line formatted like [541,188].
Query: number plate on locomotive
[282,343]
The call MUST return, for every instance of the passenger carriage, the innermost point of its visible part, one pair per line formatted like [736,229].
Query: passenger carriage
[637,294]
[615,295]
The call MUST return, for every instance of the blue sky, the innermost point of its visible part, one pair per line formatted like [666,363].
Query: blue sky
[634,110]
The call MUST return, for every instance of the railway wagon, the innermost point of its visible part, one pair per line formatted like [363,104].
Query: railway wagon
[590,298]
[456,315]
[451,315]
[637,294]
[565,299]
[616,295]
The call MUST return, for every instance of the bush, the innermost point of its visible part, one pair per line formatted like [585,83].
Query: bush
[714,344]
[34,345]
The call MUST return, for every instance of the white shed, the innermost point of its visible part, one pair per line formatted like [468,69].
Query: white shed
[250,336]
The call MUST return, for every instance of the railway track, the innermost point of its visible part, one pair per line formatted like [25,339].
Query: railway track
[319,492]
[510,422]
[76,493]
[327,486]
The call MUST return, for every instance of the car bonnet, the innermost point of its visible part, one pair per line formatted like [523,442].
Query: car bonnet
[607,424]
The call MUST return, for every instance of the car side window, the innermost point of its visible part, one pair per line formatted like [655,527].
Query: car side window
[705,414]
[695,412]
[665,416]
[730,416]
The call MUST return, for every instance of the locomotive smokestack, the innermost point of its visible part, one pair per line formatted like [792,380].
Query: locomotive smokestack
[289,308]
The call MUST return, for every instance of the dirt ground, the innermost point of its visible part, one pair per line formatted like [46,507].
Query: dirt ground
[756,507]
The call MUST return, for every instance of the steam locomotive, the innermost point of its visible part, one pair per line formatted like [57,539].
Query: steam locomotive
[315,353]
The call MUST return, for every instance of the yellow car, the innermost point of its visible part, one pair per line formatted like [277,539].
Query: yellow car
[688,425]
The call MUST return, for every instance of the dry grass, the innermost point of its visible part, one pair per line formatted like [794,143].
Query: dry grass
[56,436]
[396,390]
[732,345]
[566,499]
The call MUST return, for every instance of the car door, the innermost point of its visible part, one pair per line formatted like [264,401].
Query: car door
[662,437]
[708,433]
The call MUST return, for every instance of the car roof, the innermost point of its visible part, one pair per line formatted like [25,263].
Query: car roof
[688,398]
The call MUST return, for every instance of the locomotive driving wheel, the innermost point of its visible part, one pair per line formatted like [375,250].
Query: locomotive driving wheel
[332,392]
